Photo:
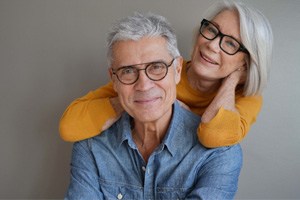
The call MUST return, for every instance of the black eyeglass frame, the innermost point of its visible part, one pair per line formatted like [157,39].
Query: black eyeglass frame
[114,72]
[242,48]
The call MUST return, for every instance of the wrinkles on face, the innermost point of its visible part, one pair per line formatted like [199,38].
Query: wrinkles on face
[209,62]
[146,100]
[140,96]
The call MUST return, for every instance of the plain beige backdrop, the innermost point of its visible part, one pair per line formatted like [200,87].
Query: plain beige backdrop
[53,51]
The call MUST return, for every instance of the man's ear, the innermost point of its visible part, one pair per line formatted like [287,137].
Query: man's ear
[178,68]
[112,78]
[110,73]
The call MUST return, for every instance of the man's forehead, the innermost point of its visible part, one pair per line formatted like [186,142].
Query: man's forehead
[147,49]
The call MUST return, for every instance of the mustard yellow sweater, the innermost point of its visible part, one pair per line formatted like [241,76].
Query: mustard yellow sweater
[85,117]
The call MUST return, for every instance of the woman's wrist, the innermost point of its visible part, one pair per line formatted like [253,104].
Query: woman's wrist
[116,105]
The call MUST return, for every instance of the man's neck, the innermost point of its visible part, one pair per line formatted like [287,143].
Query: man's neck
[148,135]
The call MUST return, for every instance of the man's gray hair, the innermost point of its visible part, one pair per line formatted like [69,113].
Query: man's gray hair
[141,25]
[256,36]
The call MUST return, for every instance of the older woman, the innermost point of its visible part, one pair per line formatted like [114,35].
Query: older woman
[223,81]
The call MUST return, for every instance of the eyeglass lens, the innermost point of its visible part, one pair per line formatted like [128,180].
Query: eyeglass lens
[155,71]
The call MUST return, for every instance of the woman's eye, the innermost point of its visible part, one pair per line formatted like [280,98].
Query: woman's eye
[231,44]
[212,30]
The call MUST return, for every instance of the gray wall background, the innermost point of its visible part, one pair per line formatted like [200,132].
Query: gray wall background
[53,51]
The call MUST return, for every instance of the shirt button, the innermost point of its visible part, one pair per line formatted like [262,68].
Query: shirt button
[120,196]
[144,168]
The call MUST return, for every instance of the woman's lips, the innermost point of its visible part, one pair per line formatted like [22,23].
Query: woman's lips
[208,59]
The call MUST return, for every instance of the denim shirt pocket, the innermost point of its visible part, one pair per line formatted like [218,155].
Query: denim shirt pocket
[118,190]
[172,193]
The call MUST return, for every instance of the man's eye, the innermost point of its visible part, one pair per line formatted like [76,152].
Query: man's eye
[158,66]
[128,70]
[155,68]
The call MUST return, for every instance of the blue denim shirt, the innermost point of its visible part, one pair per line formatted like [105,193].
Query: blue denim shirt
[109,166]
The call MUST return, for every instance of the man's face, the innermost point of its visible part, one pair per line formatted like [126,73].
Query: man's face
[146,100]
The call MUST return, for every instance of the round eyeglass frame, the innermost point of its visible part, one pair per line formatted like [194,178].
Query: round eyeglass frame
[114,72]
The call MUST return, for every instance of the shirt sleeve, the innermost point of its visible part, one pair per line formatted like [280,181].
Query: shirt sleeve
[84,183]
[218,177]
[85,117]
[228,128]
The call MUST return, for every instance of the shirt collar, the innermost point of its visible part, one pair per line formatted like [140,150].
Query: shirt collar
[175,139]
[179,135]
[124,130]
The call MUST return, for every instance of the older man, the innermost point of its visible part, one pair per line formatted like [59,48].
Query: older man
[152,151]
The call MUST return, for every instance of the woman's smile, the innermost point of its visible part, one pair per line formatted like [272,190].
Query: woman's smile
[208,59]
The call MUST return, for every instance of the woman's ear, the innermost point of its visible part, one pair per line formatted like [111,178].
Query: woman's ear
[243,65]
[247,61]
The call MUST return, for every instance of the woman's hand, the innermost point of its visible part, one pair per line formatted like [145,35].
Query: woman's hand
[183,105]
[118,109]
[225,96]
[116,105]
[238,76]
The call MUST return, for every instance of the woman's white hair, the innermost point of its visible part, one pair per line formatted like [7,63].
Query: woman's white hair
[256,36]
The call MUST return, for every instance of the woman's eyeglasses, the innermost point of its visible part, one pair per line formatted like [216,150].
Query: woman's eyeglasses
[227,43]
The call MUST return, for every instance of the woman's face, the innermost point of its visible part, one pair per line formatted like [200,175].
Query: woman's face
[209,61]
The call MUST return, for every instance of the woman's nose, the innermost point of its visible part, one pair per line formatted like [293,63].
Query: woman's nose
[214,44]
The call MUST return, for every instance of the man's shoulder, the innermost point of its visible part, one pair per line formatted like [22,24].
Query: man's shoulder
[186,115]
[182,133]
[115,134]
[234,149]
[229,155]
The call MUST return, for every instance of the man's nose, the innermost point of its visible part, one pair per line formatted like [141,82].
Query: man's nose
[143,83]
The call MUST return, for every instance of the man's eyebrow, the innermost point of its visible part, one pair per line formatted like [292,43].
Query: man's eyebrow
[133,65]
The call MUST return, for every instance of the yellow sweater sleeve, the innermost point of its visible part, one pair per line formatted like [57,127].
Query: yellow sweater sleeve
[85,117]
[229,128]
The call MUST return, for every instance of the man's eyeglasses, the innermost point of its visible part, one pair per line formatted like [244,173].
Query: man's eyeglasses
[227,43]
[155,71]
